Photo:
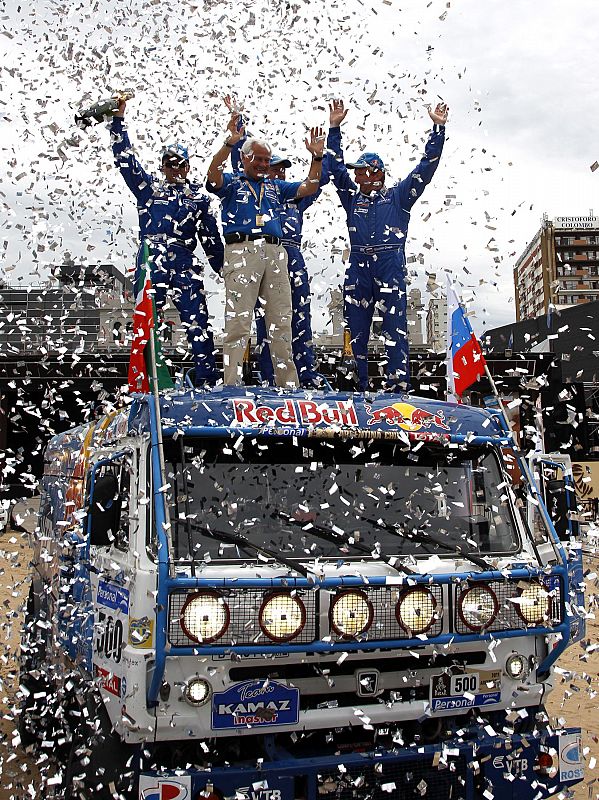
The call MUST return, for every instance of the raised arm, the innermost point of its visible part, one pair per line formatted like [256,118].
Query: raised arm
[334,158]
[137,179]
[215,170]
[410,189]
[315,146]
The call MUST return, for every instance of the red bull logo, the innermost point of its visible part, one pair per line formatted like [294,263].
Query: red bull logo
[295,412]
[407,417]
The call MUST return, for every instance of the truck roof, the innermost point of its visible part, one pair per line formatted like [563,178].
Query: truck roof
[272,412]
[254,410]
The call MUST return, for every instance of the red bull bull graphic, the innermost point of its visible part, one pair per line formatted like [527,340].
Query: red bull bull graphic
[407,417]
[295,412]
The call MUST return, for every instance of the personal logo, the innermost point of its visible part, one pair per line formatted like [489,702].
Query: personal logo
[166,790]
[407,417]
[115,597]
[255,703]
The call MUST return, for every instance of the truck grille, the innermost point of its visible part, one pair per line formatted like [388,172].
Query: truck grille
[399,780]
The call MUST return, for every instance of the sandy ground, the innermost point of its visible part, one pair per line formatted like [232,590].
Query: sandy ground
[575,699]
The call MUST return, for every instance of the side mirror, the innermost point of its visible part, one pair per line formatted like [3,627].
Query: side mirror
[104,514]
[557,504]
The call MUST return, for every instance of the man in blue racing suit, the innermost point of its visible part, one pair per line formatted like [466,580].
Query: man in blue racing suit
[173,215]
[377,220]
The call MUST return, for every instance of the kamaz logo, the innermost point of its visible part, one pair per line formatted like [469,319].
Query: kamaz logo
[265,709]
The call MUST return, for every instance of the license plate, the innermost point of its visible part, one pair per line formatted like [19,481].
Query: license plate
[453,692]
[459,684]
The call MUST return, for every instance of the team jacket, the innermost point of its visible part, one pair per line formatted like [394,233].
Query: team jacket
[178,215]
[381,219]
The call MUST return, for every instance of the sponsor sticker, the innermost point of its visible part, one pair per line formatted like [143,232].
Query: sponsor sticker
[111,596]
[452,692]
[407,417]
[154,788]
[141,632]
[570,757]
[295,412]
[255,703]
[109,681]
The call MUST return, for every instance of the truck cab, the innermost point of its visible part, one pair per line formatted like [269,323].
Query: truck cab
[251,593]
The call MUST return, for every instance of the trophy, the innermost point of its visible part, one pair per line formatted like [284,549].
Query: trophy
[103,109]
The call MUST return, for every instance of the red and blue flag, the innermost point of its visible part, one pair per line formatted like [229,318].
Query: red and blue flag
[465,360]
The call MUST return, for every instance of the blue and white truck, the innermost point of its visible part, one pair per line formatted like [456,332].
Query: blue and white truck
[266,595]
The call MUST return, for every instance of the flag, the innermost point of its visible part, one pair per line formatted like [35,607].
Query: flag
[143,363]
[465,360]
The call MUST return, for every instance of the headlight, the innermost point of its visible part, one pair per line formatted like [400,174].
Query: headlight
[516,666]
[282,616]
[197,691]
[415,610]
[351,614]
[533,604]
[204,616]
[478,607]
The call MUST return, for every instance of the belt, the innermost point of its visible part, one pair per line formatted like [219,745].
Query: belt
[376,248]
[233,238]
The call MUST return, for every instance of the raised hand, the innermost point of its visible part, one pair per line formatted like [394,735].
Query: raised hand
[233,106]
[337,113]
[120,112]
[234,134]
[439,115]
[315,144]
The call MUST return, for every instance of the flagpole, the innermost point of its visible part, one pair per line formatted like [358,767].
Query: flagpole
[158,418]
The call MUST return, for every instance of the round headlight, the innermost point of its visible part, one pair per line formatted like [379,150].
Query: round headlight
[204,616]
[533,604]
[415,610]
[282,616]
[351,614]
[478,607]
[516,666]
[197,691]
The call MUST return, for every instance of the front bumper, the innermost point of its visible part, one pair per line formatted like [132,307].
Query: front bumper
[491,766]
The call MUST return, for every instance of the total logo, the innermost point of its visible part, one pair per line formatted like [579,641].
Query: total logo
[408,417]
[165,790]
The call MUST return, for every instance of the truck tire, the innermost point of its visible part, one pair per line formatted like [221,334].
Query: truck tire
[37,719]
[99,764]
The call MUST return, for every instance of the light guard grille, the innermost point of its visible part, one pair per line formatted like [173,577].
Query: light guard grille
[507,616]
[244,628]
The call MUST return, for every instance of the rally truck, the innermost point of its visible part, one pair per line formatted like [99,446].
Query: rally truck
[255,594]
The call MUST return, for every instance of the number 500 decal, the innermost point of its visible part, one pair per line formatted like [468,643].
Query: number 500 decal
[109,642]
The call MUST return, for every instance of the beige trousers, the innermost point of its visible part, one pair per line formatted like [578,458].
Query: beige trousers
[255,270]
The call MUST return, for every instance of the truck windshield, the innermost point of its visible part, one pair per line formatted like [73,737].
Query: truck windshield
[311,498]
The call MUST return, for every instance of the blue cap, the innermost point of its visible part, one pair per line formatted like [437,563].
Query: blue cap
[279,161]
[372,160]
[175,150]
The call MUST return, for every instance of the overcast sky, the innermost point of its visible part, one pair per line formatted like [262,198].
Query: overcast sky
[520,79]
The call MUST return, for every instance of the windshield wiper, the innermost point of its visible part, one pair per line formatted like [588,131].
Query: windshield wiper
[426,538]
[329,535]
[230,537]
